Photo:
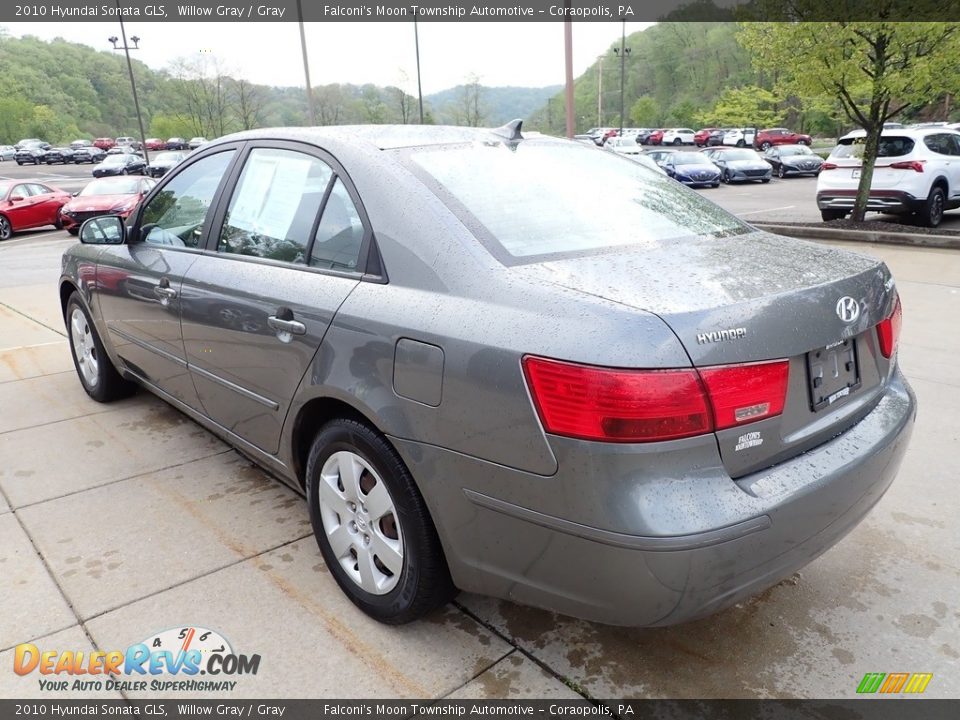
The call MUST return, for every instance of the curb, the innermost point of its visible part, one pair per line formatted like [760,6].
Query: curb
[807,232]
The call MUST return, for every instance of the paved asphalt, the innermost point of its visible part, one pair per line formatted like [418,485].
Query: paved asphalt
[119,521]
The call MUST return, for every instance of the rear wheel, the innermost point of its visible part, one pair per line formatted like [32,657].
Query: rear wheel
[764,145]
[828,215]
[99,377]
[780,172]
[931,213]
[372,525]
[677,141]
[6,230]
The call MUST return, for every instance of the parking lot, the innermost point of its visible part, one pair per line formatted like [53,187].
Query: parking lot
[121,521]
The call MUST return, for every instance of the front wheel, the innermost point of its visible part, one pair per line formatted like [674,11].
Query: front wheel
[6,229]
[99,377]
[765,180]
[764,146]
[715,185]
[372,525]
[677,141]
[780,172]
[740,143]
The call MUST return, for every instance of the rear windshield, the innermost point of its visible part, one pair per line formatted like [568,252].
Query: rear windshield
[739,155]
[795,150]
[890,146]
[688,158]
[550,198]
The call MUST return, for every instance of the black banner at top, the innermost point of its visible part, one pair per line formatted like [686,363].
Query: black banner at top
[459,11]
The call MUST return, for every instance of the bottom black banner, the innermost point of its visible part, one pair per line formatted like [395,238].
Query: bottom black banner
[872,709]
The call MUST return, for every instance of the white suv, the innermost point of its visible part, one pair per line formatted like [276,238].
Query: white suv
[740,137]
[917,173]
[678,136]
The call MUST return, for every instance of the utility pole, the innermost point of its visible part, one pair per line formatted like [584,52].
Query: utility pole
[623,52]
[133,83]
[600,94]
[416,43]
[311,115]
[568,52]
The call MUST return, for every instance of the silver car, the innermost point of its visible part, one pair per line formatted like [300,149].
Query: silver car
[513,366]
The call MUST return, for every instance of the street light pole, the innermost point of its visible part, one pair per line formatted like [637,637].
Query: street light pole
[623,52]
[133,82]
[311,115]
[416,44]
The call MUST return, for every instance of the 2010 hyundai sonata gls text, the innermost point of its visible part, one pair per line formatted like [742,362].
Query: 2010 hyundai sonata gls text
[516,366]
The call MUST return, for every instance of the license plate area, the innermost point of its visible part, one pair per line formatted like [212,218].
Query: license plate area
[855,173]
[833,373]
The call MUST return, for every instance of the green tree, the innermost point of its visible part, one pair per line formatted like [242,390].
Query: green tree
[873,69]
[646,112]
[747,106]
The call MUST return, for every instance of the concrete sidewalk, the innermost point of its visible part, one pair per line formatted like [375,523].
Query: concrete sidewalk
[120,521]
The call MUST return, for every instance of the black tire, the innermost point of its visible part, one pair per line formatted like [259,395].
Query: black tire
[19,163]
[740,143]
[677,141]
[725,177]
[780,172]
[125,172]
[6,229]
[424,582]
[804,142]
[931,214]
[828,215]
[58,223]
[764,145]
[715,185]
[765,180]
[73,230]
[106,384]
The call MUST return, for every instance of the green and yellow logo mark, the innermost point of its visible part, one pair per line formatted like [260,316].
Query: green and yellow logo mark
[888,683]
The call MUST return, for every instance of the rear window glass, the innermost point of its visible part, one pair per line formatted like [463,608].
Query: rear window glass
[891,146]
[546,198]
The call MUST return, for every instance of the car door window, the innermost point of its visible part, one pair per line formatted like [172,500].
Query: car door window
[340,233]
[38,189]
[176,215]
[274,206]
[21,190]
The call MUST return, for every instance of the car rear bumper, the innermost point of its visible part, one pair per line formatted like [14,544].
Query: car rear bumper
[892,201]
[700,541]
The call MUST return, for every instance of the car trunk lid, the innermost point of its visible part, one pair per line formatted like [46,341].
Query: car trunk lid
[757,297]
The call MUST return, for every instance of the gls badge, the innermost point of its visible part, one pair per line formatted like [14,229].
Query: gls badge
[848,309]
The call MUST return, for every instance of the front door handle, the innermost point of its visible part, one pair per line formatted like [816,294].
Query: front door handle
[283,322]
[164,291]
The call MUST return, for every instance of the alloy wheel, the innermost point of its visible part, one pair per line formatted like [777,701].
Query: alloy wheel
[5,230]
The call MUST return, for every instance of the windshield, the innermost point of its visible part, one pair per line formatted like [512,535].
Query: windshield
[168,157]
[739,155]
[627,142]
[112,186]
[797,150]
[890,146]
[545,198]
[689,158]
[116,159]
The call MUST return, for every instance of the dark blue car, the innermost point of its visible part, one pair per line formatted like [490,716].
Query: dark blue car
[691,168]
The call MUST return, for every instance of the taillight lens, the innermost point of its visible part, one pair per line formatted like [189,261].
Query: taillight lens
[888,330]
[915,165]
[594,403]
[828,166]
[745,393]
[614,405]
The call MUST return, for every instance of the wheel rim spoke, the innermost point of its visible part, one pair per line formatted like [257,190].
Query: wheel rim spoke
[350,471]
[369,573]
[378,502]
[331,496]
[387,551]
[340,542]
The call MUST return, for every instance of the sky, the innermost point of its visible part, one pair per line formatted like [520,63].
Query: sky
[519,53]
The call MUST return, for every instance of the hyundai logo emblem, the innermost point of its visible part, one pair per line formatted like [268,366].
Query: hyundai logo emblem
[848,309]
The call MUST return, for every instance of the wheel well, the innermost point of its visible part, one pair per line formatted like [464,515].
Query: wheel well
[312,416]
[941,182]
[66,290]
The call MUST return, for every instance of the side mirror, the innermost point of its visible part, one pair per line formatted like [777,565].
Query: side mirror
[103,230]
[74,194]
[16,198]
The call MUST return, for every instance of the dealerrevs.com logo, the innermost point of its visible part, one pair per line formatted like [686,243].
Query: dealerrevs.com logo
[172,660]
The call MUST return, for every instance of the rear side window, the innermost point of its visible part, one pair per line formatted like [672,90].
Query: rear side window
[340,233]
[890,146]
[275,205]
[943,144]
[548,197]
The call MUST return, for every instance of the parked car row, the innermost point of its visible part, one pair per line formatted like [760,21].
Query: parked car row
[32,149]
[706,137]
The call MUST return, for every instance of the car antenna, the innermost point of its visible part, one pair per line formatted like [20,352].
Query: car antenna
[510,131]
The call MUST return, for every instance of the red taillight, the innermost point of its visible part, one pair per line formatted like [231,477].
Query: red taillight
[828,166]
[596,403]
[888,330]
[744,393]
[614,405]
[915,165]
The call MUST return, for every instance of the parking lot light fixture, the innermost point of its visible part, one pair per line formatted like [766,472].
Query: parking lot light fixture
[113,40]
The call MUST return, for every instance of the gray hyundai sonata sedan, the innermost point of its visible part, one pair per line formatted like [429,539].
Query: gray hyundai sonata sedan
[521,367]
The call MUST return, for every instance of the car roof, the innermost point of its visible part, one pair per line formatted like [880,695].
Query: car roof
[380,137]
[903,132]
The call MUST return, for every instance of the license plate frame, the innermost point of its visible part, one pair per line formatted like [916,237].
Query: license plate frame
[833,373]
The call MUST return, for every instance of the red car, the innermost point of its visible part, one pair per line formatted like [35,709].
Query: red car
[656,137]
[117,195]
[104,143]
[779,136]
[701,137]
[25,205]
[156,144]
